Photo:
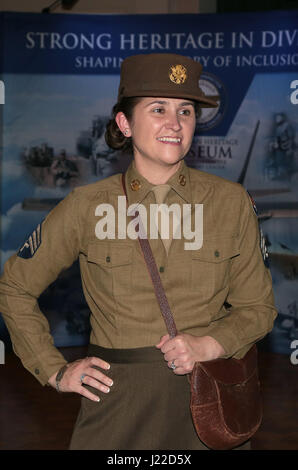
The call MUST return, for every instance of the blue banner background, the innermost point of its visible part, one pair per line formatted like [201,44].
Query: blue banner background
[61,74]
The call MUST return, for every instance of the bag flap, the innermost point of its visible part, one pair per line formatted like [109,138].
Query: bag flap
[232,371]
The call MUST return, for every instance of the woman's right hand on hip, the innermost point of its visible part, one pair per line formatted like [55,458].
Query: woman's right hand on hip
[81,372]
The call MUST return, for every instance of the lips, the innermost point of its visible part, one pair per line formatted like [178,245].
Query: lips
[170,140]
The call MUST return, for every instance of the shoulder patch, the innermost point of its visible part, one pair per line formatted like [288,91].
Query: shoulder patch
[263,247]
[253,204]
[32,244]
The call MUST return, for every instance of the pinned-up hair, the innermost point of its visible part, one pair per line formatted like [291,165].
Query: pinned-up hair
[113,136]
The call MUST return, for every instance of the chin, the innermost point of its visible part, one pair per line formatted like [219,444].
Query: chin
[172,160]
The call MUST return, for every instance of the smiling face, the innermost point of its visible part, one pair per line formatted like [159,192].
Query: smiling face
[162,131]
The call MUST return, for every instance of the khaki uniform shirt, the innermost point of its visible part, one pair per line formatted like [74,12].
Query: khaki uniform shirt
[124,311]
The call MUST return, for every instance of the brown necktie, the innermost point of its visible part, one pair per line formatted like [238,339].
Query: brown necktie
[161,192]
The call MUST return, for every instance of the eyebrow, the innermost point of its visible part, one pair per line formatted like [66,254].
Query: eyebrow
[184,103]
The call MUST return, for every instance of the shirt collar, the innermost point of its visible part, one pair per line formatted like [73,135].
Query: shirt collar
[180,182]
[137,187]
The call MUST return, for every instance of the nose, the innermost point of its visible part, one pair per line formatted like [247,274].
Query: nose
[173,121]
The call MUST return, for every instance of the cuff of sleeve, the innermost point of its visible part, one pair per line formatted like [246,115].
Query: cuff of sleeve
[46,365]
[230,343]
[226,337]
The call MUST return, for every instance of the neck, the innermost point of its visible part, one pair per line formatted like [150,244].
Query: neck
[157,175]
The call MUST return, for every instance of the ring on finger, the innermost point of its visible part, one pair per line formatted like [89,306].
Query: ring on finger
[173,365]
[82,378]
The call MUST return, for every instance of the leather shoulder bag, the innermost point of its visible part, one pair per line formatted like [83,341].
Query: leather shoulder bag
[225,400]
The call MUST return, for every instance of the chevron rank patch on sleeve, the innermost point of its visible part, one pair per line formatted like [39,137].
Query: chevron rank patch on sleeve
[32,244]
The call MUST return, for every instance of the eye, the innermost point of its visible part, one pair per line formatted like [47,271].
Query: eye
[185,112]
[158,110]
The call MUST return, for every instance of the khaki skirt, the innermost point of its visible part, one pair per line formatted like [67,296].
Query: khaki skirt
[147,406]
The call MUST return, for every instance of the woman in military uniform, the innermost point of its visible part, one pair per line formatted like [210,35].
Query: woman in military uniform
[134,387]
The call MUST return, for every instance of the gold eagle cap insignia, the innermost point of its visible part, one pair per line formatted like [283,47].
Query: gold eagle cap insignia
[178,74]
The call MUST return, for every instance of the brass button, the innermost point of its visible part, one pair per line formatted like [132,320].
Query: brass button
[216,253]
[135,185]
[108,259]
[182,180]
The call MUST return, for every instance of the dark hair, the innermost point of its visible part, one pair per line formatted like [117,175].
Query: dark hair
[113,136]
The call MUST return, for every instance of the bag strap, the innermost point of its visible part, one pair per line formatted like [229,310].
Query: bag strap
[155,277]
[164,306]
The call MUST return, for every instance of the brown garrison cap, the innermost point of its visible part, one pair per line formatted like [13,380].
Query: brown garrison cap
[164,75]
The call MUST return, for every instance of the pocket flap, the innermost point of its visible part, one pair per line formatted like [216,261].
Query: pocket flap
[217,250]
[109,254]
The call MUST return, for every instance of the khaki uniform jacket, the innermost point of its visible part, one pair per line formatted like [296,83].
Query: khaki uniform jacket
[222,289]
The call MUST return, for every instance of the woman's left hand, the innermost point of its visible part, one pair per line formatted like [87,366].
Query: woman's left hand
[185,349]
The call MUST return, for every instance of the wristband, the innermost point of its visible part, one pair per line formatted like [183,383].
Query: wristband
[59,376]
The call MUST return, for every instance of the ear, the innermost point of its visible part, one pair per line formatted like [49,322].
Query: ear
[123,124]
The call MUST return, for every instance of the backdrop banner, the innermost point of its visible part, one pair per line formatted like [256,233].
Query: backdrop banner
[59,80]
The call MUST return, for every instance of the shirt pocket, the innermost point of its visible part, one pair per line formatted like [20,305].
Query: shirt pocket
[210,266]
[110,265]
